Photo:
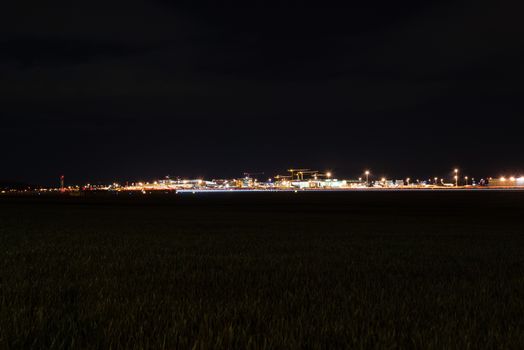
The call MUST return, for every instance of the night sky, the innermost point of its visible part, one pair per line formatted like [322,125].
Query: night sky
[103,91]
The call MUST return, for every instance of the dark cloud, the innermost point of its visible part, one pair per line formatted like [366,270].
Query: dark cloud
[134,89]
[29,52]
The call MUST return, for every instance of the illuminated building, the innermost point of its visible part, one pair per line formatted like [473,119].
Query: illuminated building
[504,181]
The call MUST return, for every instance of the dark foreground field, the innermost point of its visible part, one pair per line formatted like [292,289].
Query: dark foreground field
[347,270]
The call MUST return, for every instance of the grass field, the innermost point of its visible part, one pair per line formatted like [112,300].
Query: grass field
[277,271]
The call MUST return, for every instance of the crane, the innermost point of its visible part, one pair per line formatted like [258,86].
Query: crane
[297,171]
[327,175]
[300,173]
[311,172]
[278,177]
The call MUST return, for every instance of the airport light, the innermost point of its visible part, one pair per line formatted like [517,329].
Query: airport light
[512,178]
[456,177]
[328,174]
[466,180]
[407,181]
[367,177]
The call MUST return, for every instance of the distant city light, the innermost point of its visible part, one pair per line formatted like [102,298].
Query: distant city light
[299,179]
